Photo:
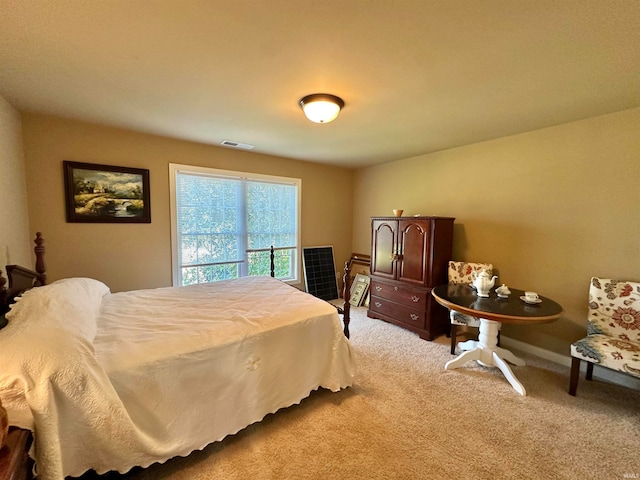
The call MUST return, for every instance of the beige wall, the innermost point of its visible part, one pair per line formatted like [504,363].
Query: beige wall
[15,241]
[549,208]
[133,256]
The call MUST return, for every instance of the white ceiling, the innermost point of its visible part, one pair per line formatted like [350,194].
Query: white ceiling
[417,76]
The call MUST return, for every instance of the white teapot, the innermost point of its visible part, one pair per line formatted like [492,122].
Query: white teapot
[483,282]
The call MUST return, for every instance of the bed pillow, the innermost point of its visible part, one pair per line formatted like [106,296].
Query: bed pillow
[70,304]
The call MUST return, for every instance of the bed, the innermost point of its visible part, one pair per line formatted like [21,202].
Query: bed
[109,381]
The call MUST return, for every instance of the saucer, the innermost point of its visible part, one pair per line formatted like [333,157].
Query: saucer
[532,302]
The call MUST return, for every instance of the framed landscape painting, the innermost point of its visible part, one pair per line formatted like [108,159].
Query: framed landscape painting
[106,194]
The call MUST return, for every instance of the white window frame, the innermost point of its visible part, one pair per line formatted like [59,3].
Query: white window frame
[175,168]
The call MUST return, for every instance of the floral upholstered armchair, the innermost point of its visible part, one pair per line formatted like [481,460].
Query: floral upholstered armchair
[613,331]
[461,272]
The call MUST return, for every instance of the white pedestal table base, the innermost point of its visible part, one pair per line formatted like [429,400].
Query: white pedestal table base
[487,353]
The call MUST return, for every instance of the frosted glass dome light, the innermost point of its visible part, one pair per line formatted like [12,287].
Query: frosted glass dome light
[321,107]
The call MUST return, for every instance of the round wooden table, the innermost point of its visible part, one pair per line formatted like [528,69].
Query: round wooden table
[493,311]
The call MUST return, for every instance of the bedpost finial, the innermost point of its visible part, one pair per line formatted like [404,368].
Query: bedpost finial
[346,293]
[272,264]
[40,266]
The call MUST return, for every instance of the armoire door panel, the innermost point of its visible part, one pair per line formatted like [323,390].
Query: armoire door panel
[384,245]
[414,248]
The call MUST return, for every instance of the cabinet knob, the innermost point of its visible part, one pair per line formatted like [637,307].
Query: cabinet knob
[415,299]
[414,316]
[395,288]
[378,288]
[378,304]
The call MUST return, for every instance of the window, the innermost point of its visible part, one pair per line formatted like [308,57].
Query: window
[223,224]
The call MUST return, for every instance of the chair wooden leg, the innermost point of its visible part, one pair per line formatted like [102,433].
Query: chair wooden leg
[589,375]
[498,337]
[575,372]
[454,332]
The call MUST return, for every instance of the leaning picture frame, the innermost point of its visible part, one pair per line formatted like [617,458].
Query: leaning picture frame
[359,263]
[106,194]
[359,290]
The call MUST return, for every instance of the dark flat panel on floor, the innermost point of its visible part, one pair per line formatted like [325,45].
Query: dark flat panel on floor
[320,272]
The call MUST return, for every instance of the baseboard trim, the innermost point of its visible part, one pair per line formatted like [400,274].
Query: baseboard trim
[565,360]
[537,351]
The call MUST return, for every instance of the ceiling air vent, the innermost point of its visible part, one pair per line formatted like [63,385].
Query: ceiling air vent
[243,146]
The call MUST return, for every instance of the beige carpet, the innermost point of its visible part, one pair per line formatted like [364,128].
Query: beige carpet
[408,418]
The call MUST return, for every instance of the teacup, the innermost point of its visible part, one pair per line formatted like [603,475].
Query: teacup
[531,296]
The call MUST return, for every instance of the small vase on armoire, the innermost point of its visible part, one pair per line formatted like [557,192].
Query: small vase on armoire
[410,256]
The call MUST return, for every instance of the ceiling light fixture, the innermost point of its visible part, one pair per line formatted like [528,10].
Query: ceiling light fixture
[321,107]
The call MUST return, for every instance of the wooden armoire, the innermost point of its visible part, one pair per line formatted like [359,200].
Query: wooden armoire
[410,256]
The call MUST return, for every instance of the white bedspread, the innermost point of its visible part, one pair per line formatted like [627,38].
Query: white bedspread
[139,377]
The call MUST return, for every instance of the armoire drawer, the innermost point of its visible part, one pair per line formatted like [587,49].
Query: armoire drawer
[401,313]
[400,294]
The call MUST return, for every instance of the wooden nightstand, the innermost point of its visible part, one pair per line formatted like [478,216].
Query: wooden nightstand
[15,463]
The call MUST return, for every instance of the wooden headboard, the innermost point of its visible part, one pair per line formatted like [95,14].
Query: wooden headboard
[21,278]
